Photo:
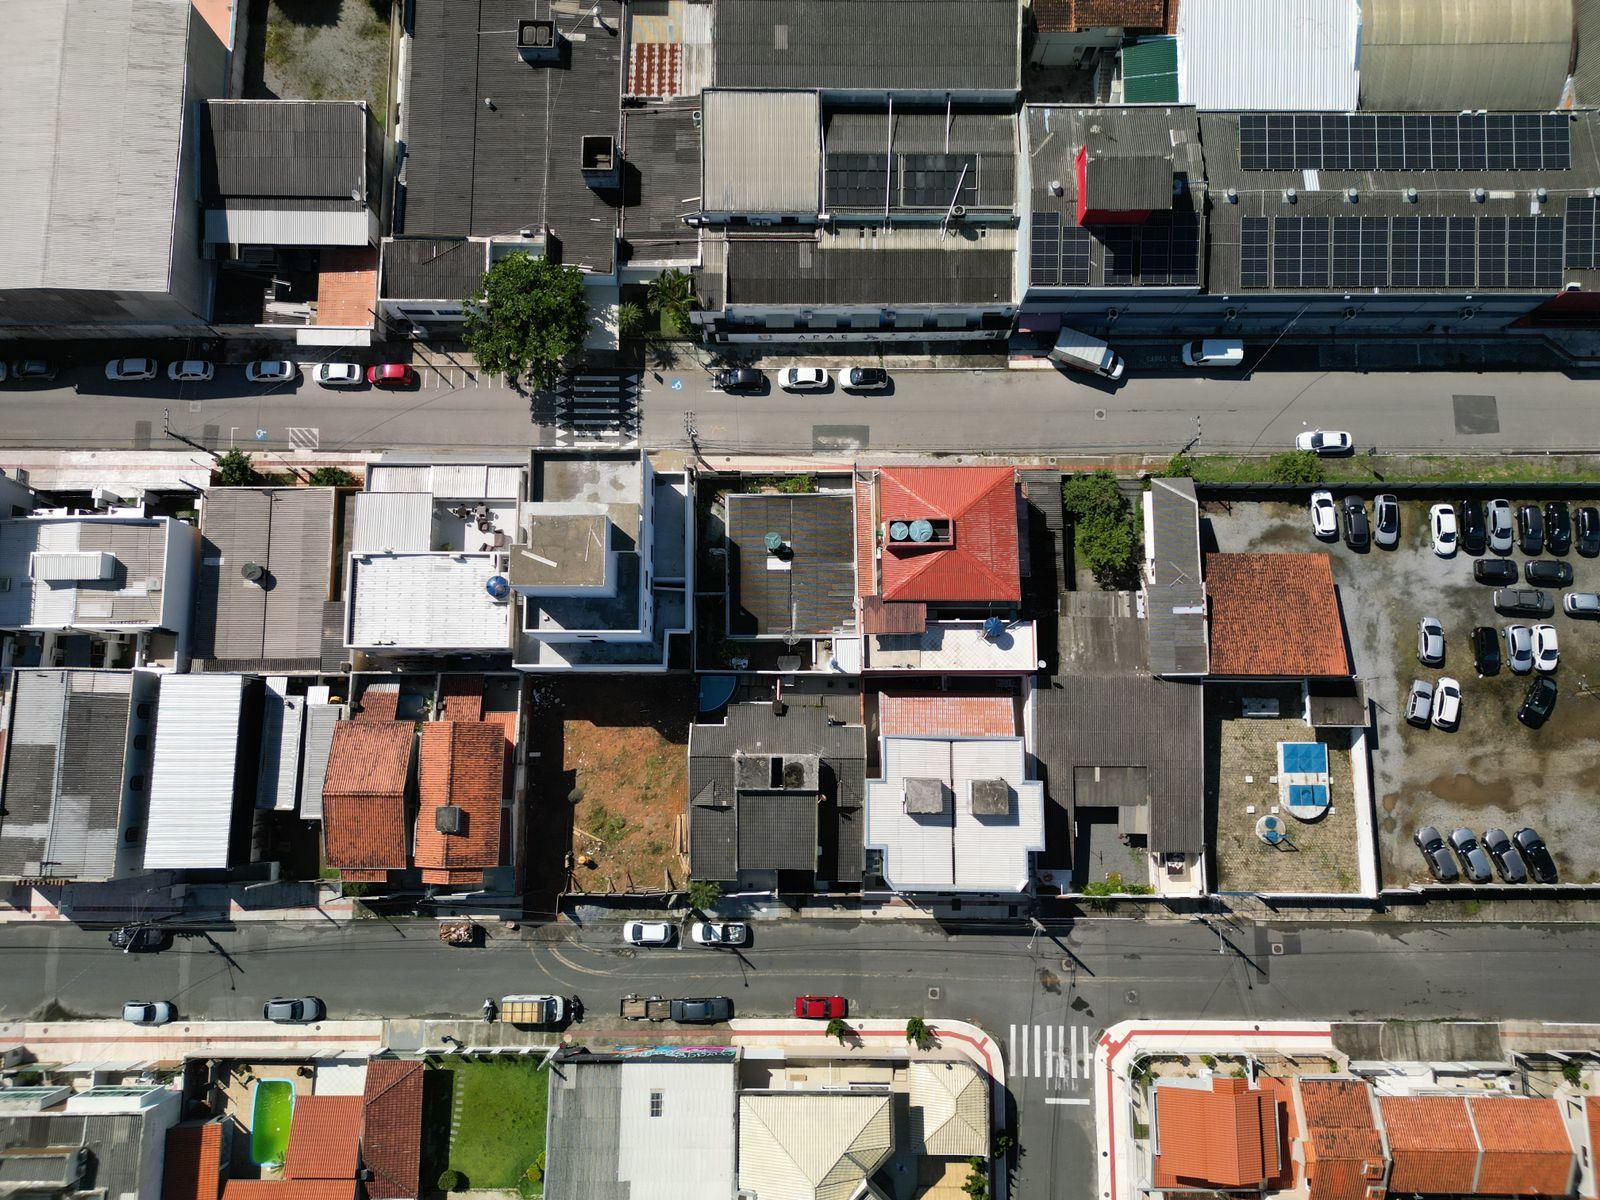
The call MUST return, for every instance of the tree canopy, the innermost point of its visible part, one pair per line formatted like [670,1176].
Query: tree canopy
[528,317]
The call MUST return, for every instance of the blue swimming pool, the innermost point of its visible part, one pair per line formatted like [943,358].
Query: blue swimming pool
[1308,795]
[1304,758]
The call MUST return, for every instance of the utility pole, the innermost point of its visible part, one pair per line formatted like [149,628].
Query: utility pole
[692,433]
[167,431]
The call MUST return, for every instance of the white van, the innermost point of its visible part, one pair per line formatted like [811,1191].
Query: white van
[1214,352]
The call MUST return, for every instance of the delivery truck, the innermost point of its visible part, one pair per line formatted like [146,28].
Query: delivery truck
[1084,353]
[533,1010]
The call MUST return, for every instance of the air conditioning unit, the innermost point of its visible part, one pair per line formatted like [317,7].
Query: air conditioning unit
[152,585]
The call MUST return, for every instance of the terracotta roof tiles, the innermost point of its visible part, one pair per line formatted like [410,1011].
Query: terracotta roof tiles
[324,1138]
[941,714]
[462,764]
[1431,1142]
[363,795]
[983,562]
[1071,16]
[1344,1153]
[1274,615]
[1227,1136]
[391,1130]
[1526,1149]
[193,1165]
[289,1189]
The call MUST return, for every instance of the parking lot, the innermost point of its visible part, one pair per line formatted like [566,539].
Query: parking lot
[1491,770]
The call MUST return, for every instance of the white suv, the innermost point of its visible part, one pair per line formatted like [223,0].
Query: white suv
[648,933]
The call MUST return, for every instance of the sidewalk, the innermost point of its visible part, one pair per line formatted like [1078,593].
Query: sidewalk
[126,900]
[118,1044]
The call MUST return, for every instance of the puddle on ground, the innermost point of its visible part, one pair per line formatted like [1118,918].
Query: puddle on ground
[1474,793]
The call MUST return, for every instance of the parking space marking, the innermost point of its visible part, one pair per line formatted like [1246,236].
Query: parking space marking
[304,437]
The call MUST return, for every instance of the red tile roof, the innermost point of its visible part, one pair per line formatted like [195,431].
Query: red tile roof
[983,564]
[866,538]
[1274,615]
[1070,16]
[347,287]
[193,1165]
[463,764]
[289,1189]
[941,714]
[324,1138]
[1225,1137]
[379,702]
[1431,1142]
[655,69]
[1344,1154]
[461,698]
[1526,1150]
[1591,1113]
[391,1129]
[363,794]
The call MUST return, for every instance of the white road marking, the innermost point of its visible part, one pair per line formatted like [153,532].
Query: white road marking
[1066,1099]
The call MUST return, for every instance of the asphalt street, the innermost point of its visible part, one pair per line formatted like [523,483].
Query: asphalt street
[1043,998]
[1034,411]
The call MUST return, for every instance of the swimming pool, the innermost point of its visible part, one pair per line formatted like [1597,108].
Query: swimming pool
[271,1112]
[1303,758]
[1308,795]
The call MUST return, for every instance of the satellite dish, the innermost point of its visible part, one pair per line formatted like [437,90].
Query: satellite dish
[921,530]
[899,531]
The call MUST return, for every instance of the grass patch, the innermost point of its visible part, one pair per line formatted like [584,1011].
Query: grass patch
[1407,468]
[500,1134]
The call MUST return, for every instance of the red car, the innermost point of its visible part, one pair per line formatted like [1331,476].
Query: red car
[821,1008]
[391,375]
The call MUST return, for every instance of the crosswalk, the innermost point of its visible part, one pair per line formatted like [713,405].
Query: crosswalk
[1063,1054]
[598,408]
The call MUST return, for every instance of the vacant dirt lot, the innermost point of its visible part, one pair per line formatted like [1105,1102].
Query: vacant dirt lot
[623,744]
[1492,770]
[328,50]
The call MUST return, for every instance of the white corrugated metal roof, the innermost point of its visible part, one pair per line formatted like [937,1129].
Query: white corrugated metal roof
[686,1153]
[955,850]
[393,523]
[288,227]
[426,602]
[448,481]
[1269,54]
[763,151]
[192,780]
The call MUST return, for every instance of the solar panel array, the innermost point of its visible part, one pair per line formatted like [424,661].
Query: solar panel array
[926,181]
[1583,250]
[1405,142]
[1407,253]
[1162,252]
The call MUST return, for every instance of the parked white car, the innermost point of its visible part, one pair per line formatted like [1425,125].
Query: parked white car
[1519,649]
[803,379]
[130,370]
[1502,530]
[190,370]
[1325,441]
[271,370]
[1324,516]
[1546,649]
[1442,524]
[719,933]
[338,374]
[1430,642]
[1214,352]
[147,1012]
[649,933]
[1447,703]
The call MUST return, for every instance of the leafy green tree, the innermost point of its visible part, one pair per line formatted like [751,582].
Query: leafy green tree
[631,319]
[917,1031]
[1296,467]
[704,893]
[1096,494]
[234,469]
[977,1183]
[1180,466]
[837,1029]
[1108,547]
[672,295]
[1106,535]
[332,477]
[528,317]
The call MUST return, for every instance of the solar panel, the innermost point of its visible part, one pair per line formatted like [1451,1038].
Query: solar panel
[1548,237]
[1405,142]
[1076,246]
[1431,247]
[1253,142]
[1185,249]
[1280,142]
[1492,252]
[1473,128]
[1155,253]
[1556,142]
[1418,142]
[1253,252]
[1404,234]
[1391,143]
[1118,241]
[1580,247]
[1500,140]
[1300,252]
[931,180]
[857,180]
[1461,252]
[1528,151]
[1445,141]
[1044,250]
[1363,143]
[1360,252]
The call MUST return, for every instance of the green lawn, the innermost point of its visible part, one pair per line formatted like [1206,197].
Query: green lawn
[501,1115]
[1409,468]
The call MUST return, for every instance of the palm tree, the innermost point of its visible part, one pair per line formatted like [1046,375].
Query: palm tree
[672,295]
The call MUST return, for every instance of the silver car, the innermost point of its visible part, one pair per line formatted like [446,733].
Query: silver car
[147,1012]
[1419,703]
[288,1010]
[1430,642]
[1581,604]
[1502,529]
[1474,862]
[1519,649]
[271,370]
[1507,860]
[1386,521]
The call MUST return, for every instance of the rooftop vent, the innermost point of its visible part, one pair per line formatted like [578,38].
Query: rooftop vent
[1352,195]
[1411,195]
[449,818]
[538,42]
[253,572]
[990,797]
[600,162]
[925,797]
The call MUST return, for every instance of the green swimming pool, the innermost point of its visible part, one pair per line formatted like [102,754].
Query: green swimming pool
[269,1121]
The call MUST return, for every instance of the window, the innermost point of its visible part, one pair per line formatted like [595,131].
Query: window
[655,1104]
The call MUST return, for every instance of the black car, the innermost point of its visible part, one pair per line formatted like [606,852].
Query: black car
[1588,539]
[740,379]
[1473,538]
[1523,602]
[1486,651]
[1357,533]
[1495,571]
[1547,572]
[134,939]
[1440,865]
[1539,703]
[1534,852]
[1557,527]
[1530,529]
[702,1010]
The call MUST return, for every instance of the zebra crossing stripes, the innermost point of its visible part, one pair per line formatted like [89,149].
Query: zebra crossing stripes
[1059,1052]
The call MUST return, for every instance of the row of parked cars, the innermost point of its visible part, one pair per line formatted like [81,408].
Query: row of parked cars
[1473,528]
[802,379]
[266,370]
[1517,858]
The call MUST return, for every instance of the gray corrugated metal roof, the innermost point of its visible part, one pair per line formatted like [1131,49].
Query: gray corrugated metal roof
[1450,55]
[199,732]
[870,45]
[814,592]
[796,272]
[126,598]
[64,774]
[1586,73]
[282,729]
[663,145]
[290,224]
[980,138]
[1268,54]
[778,831]
[762,151]
[320,721]
[432,269]
[472,169]
[276,624]
[1175,595]
[284,148]
[91,125]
